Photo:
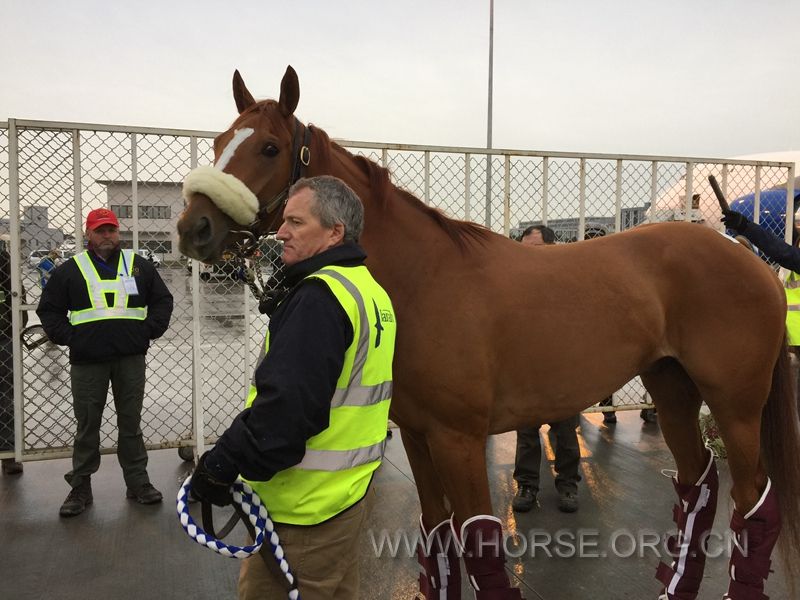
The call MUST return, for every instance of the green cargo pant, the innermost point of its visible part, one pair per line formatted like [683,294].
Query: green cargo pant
[89,395]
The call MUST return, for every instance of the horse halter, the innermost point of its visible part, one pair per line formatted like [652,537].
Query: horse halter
[301,154]
[232,196]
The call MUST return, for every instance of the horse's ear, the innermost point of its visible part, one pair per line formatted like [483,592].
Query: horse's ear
[244,99]
[290,92]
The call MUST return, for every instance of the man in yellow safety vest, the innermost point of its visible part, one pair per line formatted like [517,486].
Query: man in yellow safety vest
[106,304]
[314,425]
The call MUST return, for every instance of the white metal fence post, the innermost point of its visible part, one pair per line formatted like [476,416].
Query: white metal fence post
[16,284]
[197,355]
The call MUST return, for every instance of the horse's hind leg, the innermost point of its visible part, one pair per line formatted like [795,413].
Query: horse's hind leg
[678,401]
[460,460]
[756,520]
[437,553]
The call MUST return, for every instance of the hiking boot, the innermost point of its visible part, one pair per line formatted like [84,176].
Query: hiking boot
[568,502]
[144,494]
[524,500]
[11,466]
[78,499]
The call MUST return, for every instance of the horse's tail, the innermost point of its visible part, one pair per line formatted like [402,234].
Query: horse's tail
[780,447]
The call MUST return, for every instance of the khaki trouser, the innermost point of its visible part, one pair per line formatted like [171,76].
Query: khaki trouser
[324,558]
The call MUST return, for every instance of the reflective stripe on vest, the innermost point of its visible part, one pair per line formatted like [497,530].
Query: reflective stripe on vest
[792,288]
[338,463]
[97,289]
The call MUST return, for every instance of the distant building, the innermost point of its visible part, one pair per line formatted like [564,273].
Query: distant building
[35,230]
[159,204]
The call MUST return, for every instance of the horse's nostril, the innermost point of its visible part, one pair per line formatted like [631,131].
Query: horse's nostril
[202,231]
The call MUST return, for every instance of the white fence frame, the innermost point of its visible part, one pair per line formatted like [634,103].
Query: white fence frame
[422,183]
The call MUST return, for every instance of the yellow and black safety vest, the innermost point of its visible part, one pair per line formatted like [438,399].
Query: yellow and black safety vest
[339,461]
[98,288]
[792,287]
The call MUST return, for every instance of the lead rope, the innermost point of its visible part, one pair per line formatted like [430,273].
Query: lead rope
[256,513]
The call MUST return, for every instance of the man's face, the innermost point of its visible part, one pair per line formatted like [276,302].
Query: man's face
[534,238]
[103,239]
[302,233]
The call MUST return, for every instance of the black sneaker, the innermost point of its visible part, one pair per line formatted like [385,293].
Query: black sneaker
[145,494]
[78,499]
[524,500]
[609,418]
[568,502]
[11,466]
[649,415]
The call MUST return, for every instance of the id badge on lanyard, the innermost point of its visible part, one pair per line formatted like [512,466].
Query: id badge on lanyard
[127,280]
[130,285]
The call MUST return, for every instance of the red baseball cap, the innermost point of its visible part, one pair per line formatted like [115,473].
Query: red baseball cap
[101,216]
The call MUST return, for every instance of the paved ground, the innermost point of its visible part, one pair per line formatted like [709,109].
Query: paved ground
[122,551]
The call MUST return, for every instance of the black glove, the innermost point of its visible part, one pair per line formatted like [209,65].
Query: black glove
[734,220]
[206,487]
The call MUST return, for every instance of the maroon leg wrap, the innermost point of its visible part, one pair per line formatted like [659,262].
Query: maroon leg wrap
[756,534]
[484,558]
[694,516]
[437,553]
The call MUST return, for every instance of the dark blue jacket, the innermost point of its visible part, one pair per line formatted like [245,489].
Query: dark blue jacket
[773,247]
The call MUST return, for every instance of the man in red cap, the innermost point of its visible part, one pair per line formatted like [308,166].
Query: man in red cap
[106,304]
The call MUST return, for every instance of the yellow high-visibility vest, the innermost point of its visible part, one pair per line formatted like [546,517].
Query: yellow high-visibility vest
[792,288]
[338,464]
[98,288]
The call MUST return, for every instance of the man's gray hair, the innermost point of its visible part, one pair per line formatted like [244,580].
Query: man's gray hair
[335,203]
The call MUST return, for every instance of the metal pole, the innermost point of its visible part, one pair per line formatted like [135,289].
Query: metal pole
[427,176]
[757,197]
[467,176]
[16,300]
[507,197]
[76,189]
[488,216]
[135,192]
[582,202]
[197,356]
[789,227]
[618,199]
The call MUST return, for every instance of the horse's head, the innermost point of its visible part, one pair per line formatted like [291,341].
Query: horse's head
[255,162]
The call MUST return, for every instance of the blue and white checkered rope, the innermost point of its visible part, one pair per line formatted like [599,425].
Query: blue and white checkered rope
[256,512]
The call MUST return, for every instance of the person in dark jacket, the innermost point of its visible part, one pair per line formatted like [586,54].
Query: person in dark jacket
[528,459]
[106,304]
[773,247]
[314,427]
[787,256]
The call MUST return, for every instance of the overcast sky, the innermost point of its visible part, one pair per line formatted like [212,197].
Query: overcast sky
[699,78]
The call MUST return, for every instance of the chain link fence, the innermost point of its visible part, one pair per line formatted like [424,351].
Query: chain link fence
[53,174]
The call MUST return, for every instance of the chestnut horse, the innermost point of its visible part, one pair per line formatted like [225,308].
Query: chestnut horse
[494,336]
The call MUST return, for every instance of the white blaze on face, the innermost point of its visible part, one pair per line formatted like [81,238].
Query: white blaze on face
[239,136]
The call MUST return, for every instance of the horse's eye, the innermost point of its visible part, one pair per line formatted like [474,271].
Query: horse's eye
[270,150]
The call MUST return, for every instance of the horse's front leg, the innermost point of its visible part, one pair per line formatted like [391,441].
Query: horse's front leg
[460,461]
[440,576]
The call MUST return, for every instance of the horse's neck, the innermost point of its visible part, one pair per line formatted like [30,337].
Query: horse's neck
[401,241]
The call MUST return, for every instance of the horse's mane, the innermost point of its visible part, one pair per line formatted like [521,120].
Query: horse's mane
[461,232]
